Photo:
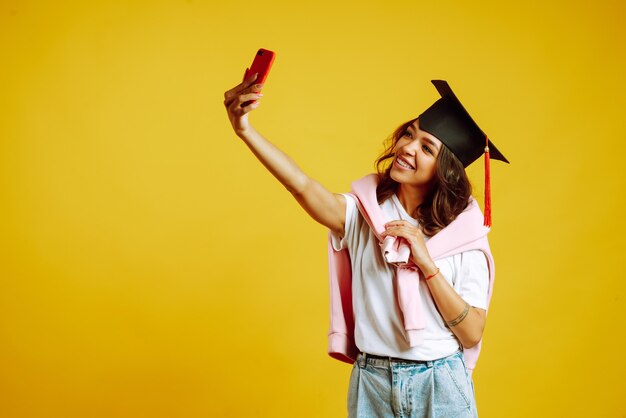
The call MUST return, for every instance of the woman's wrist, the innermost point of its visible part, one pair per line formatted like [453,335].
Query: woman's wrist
[245,133]
[428,269]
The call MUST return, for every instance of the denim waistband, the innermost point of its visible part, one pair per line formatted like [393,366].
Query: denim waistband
[383,361]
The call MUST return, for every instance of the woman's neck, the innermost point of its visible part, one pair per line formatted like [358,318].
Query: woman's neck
[410,197]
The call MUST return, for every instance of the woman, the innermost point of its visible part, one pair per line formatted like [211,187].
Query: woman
[413,340]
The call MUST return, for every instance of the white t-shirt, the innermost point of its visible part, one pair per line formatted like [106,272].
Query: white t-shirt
[378,320]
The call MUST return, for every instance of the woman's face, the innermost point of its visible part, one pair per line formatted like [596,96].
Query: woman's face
[415,157]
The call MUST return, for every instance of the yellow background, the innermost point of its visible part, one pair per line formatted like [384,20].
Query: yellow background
[151,267]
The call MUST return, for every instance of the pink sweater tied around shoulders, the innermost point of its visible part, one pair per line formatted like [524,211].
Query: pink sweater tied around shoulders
[465,233]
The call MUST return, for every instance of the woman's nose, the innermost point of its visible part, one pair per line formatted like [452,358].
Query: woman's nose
[410,147]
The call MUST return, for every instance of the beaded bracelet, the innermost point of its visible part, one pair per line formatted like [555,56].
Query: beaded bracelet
[432,275]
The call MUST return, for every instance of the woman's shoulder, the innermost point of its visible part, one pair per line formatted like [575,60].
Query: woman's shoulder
[472,259]
[347,198]
[475,255]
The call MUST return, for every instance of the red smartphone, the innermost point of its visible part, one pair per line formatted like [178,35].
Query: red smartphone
[261,64]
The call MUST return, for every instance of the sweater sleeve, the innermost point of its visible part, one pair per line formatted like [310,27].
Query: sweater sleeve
[339,243]
[473,282]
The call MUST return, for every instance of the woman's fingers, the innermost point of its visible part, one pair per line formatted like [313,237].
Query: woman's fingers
[250,107]
[402,224]
[242,99]
[250,96]
[397,223]
[239,88]
[400,230]
[255,88]
[235,105]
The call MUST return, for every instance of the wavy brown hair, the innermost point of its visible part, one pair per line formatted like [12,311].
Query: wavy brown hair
[448,196]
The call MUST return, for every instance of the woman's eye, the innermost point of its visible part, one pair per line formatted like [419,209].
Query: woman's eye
[407,133]
[428,150]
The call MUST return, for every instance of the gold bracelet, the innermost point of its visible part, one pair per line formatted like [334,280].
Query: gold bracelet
[461,317]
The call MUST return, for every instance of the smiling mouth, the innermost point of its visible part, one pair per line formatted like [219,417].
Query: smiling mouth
[404,164]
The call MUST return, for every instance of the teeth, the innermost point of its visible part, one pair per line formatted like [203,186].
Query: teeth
[403,164]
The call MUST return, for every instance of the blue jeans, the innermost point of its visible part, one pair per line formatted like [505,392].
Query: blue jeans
[402,389]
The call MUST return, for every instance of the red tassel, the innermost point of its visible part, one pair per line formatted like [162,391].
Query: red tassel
[487,187]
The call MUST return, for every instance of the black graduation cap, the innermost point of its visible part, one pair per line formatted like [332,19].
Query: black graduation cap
[448,120]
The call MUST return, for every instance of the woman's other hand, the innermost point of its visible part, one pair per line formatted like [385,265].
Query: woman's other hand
[238,95]
[415,237]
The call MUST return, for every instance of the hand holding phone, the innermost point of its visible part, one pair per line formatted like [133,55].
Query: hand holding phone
[261,64]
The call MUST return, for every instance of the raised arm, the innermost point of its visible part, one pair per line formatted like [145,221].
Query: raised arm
[325,207]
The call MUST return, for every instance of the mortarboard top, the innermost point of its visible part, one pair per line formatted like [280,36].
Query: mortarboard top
[448,120]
